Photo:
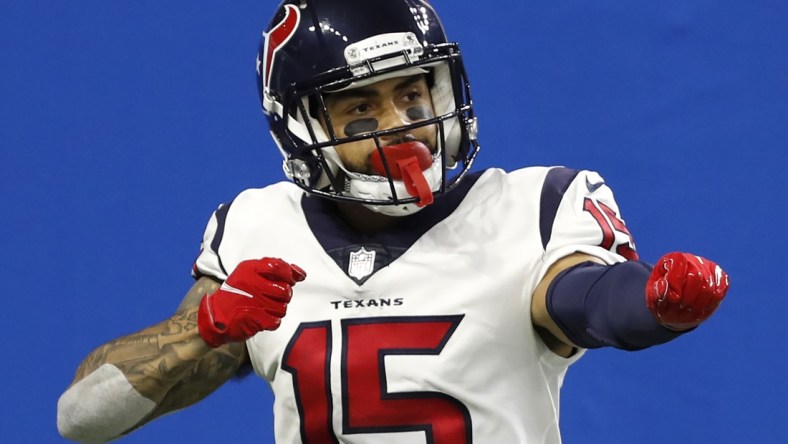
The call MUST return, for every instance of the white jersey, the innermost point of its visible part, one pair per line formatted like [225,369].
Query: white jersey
[421,334]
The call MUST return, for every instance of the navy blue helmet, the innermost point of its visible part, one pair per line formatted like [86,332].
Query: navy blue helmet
[312,48]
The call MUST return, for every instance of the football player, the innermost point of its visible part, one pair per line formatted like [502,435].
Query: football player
[430,303]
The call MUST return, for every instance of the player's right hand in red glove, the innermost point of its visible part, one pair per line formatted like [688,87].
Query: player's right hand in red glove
[253,298]
[684,290]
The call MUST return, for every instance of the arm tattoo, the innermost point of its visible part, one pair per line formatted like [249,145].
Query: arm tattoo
[207,375]
[169,363]
[202,287]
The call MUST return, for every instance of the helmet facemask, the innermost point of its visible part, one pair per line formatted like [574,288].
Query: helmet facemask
[310,154]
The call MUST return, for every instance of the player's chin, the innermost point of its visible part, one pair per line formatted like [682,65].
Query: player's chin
[364,167]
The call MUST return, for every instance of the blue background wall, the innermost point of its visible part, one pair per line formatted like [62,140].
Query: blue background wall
[123,124]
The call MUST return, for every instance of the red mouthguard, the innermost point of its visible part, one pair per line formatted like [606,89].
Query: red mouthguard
[406,162]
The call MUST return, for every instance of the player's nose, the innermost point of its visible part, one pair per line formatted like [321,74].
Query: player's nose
[392,117]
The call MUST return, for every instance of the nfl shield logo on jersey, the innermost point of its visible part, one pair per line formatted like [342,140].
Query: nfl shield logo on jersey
[362,262]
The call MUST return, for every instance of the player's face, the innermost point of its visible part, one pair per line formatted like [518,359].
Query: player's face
[383,105]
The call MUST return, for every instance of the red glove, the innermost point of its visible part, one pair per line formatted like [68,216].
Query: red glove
[253,298]
[684,290]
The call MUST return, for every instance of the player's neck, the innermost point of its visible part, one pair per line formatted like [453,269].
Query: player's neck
[364,220]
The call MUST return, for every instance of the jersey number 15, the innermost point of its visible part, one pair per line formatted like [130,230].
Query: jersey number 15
[367,405]
[610,223]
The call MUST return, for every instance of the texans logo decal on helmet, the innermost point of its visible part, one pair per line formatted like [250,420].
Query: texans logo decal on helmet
[277,38]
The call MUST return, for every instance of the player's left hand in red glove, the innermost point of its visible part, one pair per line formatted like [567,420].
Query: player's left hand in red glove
[684,290]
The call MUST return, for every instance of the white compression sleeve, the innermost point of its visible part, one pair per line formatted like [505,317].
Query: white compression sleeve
[100,407]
